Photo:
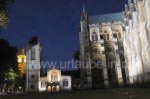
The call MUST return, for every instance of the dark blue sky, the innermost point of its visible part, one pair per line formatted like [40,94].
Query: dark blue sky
[56,22]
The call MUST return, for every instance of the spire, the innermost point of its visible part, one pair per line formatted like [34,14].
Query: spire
[84,14]
[22,46]
[83,10]
[38,40]
[22,50]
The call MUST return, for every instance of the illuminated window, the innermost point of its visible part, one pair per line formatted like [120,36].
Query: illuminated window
[54,77]
[19,60]
[24,60]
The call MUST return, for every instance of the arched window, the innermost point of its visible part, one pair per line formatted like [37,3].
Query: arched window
[33,54]
[132,1]
[105,31]
[104,37]
[107,36]
[119,35]
[54,77]
[65,82]
[43,84]
[95,50]
[94,36]
[115,35]
[101,37]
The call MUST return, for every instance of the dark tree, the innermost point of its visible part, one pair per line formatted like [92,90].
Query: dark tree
[20,83]
[8,64]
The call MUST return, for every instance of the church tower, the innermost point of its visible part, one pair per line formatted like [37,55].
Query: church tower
[85,68]
[22,61]
[33,65]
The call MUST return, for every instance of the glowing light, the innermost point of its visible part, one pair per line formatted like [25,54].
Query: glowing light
[25,60]
[19,60]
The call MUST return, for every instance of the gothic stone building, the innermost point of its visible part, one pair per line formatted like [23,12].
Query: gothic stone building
[101,41]
[136,24]
[120,41]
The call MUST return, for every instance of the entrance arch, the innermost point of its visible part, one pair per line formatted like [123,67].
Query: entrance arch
[49,89]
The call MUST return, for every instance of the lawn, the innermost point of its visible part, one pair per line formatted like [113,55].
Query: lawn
[89,94]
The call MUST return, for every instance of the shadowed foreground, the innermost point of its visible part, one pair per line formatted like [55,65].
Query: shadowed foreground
[89,94]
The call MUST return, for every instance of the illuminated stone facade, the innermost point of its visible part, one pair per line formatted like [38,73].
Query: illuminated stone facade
[136,24]
[54,81]
[101,41]
[122,38]
[33,65]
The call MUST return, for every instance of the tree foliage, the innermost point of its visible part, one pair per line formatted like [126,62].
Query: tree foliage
[4,18]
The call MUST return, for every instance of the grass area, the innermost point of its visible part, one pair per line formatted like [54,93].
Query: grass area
[137,93]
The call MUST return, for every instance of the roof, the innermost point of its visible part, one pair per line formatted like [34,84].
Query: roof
[105,18]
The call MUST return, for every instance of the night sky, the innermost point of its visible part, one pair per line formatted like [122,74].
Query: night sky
[56,22]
